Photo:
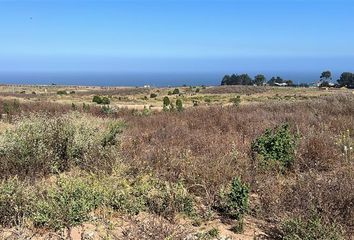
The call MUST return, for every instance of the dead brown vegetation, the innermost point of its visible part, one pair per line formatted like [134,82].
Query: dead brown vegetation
[207,147]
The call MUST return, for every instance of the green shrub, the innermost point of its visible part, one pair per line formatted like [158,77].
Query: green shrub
[105,100]
[153,95]
[234,200]
[276,148]
[68,203]
[129,197]
[236,100]
[175,91]
[179,105]
[39,145]
[110,138]
[97,99]
[207,100]
[166,101]
[62,92]
[313,228]
[15,202]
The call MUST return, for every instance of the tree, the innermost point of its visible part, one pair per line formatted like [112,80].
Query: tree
[235,79]
[326,75]
[259,79]
[274,80]
[346,79]
[245,79]
[289,82]
[225,80]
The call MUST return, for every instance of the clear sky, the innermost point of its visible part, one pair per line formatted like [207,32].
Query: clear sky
[180,35]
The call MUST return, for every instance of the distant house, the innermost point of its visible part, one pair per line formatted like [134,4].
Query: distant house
[281,84]
[320,82]
[146,86]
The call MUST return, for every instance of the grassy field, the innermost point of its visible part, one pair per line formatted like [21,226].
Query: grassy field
[211,163]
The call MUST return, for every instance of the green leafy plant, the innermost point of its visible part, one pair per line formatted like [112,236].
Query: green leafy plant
[275,148]
[168,199]
[234,200]
[105,100]
[166,101]
[66,204]
[179,105]
[97,99]
[313,228]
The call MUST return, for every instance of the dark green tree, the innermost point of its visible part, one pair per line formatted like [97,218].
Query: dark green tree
[326,76]
[289,82]
[346,79]
[245,79]
[259,79]
[226,80]
[274,80]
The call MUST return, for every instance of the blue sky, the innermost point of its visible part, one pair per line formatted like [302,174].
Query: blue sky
[183,35]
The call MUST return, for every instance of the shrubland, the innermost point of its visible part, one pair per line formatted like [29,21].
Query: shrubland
[288,164]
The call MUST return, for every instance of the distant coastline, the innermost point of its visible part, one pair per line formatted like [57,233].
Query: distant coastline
[157,79]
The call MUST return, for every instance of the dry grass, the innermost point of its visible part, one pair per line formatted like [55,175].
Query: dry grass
[206,147]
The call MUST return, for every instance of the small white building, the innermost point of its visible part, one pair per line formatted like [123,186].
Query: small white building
[281,84]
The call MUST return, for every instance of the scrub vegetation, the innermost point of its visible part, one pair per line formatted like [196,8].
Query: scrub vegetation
[257,166]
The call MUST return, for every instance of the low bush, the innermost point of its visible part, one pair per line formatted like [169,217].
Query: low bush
[39,145]
[313,228]
[62,92]
[236,100]
[233,201]
[15,202]
[153,95]
[68,203]
[105,100]
[101,100]
[275,148]
[176,91]
[169,199]
[179,105]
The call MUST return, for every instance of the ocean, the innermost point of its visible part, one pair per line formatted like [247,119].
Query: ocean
[158,79]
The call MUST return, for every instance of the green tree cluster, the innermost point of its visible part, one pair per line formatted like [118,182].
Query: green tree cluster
[346,80]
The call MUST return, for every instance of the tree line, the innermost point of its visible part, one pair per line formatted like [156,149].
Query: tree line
[346,80]
[259,80]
